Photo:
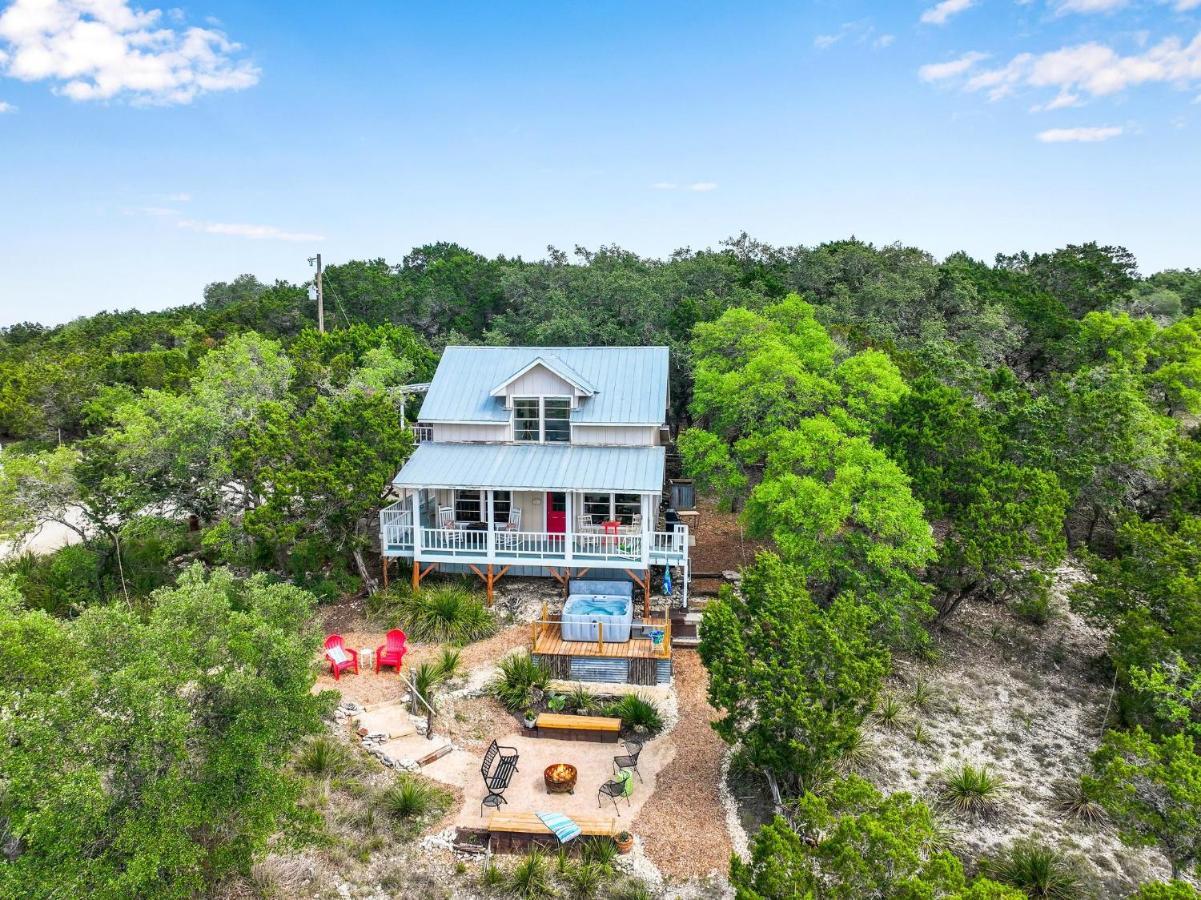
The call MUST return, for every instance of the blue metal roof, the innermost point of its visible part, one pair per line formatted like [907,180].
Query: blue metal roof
[630,383]
[540,467]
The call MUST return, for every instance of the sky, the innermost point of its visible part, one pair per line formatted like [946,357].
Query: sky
[147,151]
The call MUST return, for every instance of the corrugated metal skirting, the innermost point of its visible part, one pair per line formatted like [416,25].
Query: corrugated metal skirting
[603,671]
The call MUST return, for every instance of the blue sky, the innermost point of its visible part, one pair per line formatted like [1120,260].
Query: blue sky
[145,151]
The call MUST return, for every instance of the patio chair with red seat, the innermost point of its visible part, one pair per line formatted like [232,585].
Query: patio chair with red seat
[340,656]
[392,651]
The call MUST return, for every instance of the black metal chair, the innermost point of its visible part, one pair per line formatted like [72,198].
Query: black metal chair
[612,790]
[497,778]
[630,759]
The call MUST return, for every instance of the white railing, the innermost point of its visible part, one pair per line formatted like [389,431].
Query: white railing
[479,544]
[396,526]
[423,433]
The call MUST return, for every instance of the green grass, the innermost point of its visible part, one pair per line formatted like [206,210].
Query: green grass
[519,678]
[324,756]
[492,876]
[921,694]
[450,662]
[439,614]
[601,851]
[636,714]
[410,799]
[1039,871]
[584,881]
[580,700]
[890,712]
[972,790]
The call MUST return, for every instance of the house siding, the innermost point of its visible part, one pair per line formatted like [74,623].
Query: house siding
[475,431]
[616,435]
[540,382]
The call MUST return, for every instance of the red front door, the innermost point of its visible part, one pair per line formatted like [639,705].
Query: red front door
[556,512]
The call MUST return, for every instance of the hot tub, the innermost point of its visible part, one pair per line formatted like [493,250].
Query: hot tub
[610,603]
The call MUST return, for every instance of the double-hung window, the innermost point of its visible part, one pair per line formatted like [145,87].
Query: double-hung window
[542,419]
[612,507]
[472,506]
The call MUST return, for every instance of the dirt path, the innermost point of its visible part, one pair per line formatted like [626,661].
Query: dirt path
[683,825]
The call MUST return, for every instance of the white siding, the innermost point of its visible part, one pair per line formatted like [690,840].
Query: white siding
[476,431]
[540,382]
[616,435]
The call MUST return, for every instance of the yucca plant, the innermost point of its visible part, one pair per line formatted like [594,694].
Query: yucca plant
[491,875]
[636,713]
[584,881]
[531,876]
[1072,801]
[441,614]
[921,694]
[600,851]
[325,756]
[450,662]
[409,798]
[581,699]
[520,676]
[920,736]
[1038,870]
[890,712]
[972,790]
[856,753]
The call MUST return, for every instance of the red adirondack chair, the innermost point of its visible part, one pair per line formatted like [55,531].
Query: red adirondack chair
[351,660]
[392,651]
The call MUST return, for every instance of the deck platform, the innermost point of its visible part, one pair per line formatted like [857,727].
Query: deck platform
[548,641]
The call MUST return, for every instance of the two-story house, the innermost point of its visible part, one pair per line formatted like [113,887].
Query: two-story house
[539,461]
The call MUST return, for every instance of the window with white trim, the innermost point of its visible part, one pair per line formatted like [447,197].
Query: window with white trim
[542,419]
[470,506]
[612,507]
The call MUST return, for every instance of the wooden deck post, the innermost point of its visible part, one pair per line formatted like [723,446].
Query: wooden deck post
[600,637]
[416,575]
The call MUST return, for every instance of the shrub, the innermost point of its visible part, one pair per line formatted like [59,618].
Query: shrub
[531,876]
[410,798]
[972,790]
[324,755]
[580,699]
[1037,870]
[1035,608]
[491,876]
[1166,890]
[636,714]
[556,703]
[61,583]
[920,694]
[599,851]
[520,677]
[1074,802]
[442,614]
[856,752]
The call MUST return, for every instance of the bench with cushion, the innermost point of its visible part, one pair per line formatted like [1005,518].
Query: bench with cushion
[516,831]
[585,728]
[497,769]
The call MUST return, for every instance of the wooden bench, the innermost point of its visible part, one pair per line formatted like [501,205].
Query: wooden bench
[584,728]
[517,831]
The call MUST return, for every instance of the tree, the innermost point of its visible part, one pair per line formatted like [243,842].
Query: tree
[148,759]
[37,488]
[1152,790]
[1086,277]
[852,842]
[792,680]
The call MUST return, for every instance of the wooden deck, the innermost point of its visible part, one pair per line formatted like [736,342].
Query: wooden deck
[547,640]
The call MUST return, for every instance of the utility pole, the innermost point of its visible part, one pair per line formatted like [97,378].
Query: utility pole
[320,296]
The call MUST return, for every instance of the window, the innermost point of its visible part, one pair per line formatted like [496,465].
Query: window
[627,505]
[597,506]
[471,505]
[556,415]
[525,419]
[542,419]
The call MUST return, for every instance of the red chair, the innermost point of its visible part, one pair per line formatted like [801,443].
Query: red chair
[350,657]
[392,651]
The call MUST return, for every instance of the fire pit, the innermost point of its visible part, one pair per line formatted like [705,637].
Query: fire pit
[560,778]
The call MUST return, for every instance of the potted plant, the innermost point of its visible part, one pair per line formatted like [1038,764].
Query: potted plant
[624,841]
[529,718]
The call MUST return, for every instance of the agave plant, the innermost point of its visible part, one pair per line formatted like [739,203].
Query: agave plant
[971,790]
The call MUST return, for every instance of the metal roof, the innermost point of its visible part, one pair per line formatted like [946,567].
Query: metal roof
[541,467]
[630,383]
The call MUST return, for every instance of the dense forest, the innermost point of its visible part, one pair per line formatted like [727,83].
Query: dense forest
[913,439]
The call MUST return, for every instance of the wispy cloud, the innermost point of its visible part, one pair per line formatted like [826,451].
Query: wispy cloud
[951,68]
[106,49]
[703,186]
[1079,135]
[1088,6]
[6,107]
[253,232]
[860,31]
[700,187]
[941,13]
[1090,69]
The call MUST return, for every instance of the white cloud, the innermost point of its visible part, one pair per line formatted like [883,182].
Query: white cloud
[703,186]
[6,107]
[254,232]
[886,40]
[941,13]
[1086,69]
[179,197]
[1088,6]
[822,41]
[104,49]
[1079,135]
[1063,100]
[950,69]
[860,32]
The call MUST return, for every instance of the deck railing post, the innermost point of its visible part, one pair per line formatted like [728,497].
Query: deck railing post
[491,533]
[600,637]
[414,499]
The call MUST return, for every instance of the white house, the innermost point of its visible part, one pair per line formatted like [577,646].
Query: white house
[539,461]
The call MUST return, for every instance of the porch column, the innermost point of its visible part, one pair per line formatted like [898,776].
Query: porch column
[569,532]
[415,504]
[648,531]
[491,533]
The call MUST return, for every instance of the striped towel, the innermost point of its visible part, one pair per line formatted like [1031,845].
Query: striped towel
[561,826]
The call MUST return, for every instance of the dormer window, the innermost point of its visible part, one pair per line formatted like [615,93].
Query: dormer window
[542,419]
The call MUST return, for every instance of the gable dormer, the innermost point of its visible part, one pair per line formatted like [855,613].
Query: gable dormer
[544,376]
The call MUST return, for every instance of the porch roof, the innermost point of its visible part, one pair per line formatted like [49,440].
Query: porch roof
[539,467]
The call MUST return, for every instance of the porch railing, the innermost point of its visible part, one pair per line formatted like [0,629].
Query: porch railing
[396,526]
